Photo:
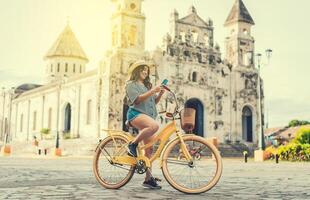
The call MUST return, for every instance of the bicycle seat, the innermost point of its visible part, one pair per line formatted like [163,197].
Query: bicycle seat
[128,124]
[131,128]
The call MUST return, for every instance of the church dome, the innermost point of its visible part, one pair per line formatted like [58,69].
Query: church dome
[66,46]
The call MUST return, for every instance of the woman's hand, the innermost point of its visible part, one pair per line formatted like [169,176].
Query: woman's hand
[162,90]
[156,89]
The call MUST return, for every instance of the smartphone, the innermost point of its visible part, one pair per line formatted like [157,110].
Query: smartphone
[165,82]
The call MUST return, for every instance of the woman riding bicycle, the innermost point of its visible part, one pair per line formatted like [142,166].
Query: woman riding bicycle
[142,111]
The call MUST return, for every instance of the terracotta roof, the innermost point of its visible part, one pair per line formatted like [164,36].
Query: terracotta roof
[287,133]
[239,13]
[291,132]
[67,46]
[270,131]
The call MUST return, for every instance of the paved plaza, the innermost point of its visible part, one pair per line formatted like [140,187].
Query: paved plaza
[72,178]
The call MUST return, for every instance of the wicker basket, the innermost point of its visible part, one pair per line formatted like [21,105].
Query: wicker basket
[188,119]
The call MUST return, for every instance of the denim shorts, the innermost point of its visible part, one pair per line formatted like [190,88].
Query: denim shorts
[132,114]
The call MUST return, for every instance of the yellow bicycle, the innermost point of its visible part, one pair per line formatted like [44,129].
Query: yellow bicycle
[113,167]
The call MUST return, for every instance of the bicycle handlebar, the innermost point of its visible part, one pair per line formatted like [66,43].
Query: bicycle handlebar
[176,110]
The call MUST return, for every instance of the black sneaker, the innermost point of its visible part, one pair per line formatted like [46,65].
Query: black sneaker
[132,149]
[152,184]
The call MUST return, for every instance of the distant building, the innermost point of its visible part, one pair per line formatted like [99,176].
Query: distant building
[282,135]
[222,89]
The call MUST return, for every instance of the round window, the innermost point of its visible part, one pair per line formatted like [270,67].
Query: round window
[132,6]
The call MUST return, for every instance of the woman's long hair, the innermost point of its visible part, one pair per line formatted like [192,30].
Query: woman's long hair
[135,76]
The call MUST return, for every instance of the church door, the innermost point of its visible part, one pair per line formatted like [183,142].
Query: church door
[67,125]
[247,124]
[198,106]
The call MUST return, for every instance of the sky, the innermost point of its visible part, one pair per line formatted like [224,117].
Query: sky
[30,27]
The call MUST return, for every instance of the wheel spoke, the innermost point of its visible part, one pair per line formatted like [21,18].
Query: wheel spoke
[177,162]
[109,174]
[192,178]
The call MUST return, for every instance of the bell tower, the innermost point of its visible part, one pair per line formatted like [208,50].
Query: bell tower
[128,26]
[239,43]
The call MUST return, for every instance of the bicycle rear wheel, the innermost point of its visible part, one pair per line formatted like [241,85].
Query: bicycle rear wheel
[111,175]
[196,177]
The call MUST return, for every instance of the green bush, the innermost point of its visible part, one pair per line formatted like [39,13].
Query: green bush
[298,149]
[303,136]
[45,131]
[67,135]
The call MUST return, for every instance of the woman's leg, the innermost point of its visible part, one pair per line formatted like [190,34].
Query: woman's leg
[147,126]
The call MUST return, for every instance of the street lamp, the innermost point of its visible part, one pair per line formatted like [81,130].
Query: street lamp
[268,52]
[3,113]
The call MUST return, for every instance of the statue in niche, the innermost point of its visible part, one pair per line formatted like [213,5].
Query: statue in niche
[124,41]
[132,35]
[199,57]
[230,52]
[234,105]
[217,124]
[170,50]
[189,38]
[211,59]
[218,105]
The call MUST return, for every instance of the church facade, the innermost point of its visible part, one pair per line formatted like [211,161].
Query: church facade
[79,103]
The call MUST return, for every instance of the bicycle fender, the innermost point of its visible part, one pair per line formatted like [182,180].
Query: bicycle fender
[125,136]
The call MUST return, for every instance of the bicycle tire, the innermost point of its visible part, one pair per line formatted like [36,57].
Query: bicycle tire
[103,175]
[209,156]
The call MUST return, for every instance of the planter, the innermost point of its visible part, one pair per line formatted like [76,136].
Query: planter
[57,152]
[6,150]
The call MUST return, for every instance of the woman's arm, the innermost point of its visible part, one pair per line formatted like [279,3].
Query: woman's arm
[157,99]
[146,95]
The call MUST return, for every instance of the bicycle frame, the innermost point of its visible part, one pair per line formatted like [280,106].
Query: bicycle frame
[163,136]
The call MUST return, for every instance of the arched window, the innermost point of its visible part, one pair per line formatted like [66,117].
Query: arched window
[182,34]
[49,122]
[58,67]
[80,68]
[245,32]
[21,123]
[89,112]
[51,67]
[73,68]
[34,122]
[66,68]
[194,77]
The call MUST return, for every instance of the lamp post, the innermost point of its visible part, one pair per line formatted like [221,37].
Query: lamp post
[3,113]
[259,154]
[57,149]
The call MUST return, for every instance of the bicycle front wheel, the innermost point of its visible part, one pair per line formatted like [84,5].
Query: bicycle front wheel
[112,175]
[197,176]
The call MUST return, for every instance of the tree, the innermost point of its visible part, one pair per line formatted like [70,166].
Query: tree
[296,122]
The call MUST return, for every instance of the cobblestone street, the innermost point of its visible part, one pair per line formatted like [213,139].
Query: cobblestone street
[72,178]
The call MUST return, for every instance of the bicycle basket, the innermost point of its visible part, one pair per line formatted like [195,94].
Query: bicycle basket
[188,119]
